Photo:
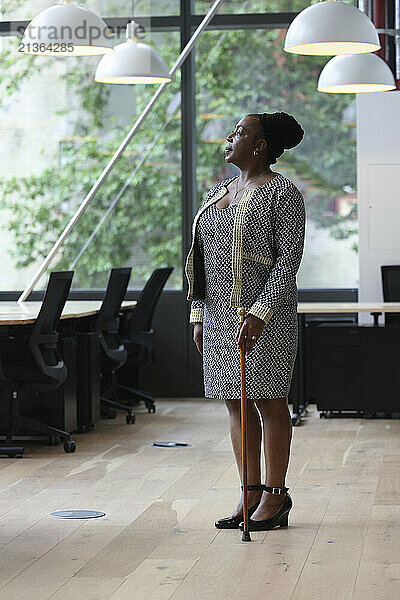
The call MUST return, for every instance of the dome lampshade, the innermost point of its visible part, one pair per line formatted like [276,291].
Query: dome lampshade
[354,73]
[132,62]
[67,30]
[330,28]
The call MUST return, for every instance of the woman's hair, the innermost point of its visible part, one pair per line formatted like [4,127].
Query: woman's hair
[281,131]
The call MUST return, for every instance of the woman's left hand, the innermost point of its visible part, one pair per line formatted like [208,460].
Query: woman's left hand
[251,325]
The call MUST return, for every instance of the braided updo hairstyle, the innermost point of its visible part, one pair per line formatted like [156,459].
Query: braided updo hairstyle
[281,132]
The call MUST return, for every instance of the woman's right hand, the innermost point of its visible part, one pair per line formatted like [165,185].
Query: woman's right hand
[198,336]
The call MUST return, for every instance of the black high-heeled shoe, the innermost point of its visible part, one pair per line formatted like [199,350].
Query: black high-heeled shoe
[278,519]
[233,522]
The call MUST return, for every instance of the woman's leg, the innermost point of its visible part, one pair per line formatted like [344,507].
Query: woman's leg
[253,448]
[277,425]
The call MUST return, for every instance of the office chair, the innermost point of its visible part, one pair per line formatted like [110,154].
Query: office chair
[137,333]
[32,361]
[112,351]
[390,275]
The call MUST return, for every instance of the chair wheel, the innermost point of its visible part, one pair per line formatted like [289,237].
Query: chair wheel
[151,407]
[130,418]
[69,446]
[54,439]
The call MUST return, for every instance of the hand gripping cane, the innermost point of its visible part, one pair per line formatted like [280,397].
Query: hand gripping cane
[243,413]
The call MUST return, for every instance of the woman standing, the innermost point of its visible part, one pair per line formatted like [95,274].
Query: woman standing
[247,246]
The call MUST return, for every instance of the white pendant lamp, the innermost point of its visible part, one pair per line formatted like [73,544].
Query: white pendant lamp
[67,30]
[330,28]
[354,73]
[132,62]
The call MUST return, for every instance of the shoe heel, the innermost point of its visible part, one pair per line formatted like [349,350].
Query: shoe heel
[283,521]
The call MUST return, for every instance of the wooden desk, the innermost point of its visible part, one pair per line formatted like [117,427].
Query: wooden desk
[15,313]
[374,308]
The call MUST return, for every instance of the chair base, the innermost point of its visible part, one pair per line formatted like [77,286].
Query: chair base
[35,427]
[107,404]
[140,395]
[16,422]
[110,398]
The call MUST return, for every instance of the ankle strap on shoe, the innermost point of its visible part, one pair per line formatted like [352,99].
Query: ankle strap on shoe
[271,490]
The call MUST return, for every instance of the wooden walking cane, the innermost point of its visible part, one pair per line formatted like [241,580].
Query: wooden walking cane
[243,412]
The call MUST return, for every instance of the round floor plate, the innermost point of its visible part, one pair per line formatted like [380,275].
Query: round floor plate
[171,444]
[77,514]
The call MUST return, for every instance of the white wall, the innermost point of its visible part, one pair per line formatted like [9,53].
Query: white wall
[378,176]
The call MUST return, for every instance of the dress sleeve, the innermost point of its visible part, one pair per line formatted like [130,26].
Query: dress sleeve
[289,233]
[196,311]
[197,306]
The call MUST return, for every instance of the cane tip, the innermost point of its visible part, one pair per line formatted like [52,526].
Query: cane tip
[246,536]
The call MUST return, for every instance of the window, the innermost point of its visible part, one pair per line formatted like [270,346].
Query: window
[19,10]
[256,6]
[142,8]
[59,129]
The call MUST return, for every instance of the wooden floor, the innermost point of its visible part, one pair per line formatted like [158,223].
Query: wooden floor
[158,540]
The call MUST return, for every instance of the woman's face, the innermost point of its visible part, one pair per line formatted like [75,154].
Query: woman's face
[242,142]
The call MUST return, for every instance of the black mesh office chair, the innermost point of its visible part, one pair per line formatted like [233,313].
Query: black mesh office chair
[137,333]
[31,360]
[113,353]
[391,291]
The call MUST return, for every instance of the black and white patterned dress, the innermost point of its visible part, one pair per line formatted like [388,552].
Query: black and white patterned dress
[270,364]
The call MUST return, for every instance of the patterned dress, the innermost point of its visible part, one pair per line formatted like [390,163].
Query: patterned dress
[269,366]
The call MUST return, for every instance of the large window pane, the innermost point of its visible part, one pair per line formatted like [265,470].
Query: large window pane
[58,131]
[19,10]
[256,6]
[142,8]
[247,72]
